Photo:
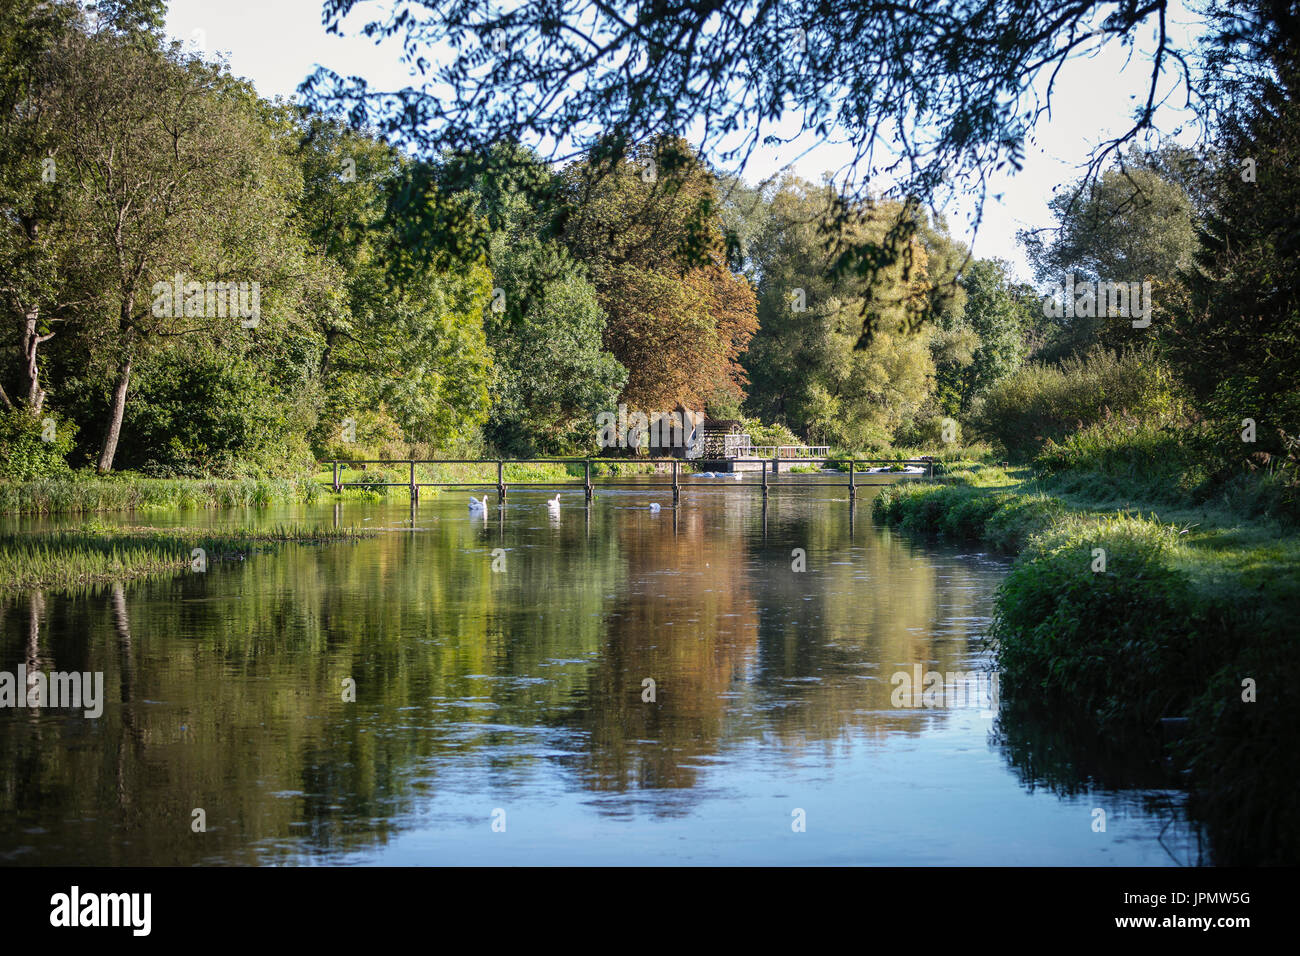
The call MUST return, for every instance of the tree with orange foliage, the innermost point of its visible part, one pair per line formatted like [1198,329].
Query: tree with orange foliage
[679,328]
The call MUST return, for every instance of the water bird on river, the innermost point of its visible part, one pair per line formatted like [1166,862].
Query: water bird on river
[478,507]
[654,506]
[553,506]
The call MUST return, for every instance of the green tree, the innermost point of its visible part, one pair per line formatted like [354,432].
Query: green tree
[35,221]
[987,342]
[202,409]
[803,363]
[174,170]
[131,16]
[953,93]
[1235,335]
[1135,222]
[401,317]
[545,326]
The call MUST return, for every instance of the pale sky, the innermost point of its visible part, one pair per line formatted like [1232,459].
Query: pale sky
[278,43]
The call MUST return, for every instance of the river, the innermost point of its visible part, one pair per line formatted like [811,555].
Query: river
[712,685]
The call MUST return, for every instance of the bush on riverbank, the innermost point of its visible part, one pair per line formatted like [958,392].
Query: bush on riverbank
[1162,460]
[1039,403]
[33,448]
[1145,458]
[1094,619]
[1004,520]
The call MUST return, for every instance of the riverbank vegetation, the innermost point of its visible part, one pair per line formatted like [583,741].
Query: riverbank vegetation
[78,493]
[91,554]
[1126,614]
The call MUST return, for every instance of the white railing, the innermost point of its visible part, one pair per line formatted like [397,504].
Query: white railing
[733,446]
[804,451]
[780,451]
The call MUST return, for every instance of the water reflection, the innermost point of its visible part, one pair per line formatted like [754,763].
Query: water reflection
[525,689]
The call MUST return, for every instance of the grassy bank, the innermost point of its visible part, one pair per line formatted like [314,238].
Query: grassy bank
[84,495]
[62,559]
[1119,613]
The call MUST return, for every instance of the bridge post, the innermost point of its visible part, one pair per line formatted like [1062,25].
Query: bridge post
[415,490]
[853,489]
[764,479]
[776,462]
[586,470]
[676,486]
[336,476]
[501,482]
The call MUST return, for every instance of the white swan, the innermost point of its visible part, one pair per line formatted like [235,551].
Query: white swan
[477,507]
[553,505]
[654,506]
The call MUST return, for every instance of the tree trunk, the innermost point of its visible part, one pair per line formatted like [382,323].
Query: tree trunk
[116,412]
[31,373]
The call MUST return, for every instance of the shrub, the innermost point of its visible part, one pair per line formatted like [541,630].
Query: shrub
[1267,493]
[776,434]
[197,414]
[937,433]
[1120,645]
[34,448]
[1041,403]
[1144,458]
[1004,520]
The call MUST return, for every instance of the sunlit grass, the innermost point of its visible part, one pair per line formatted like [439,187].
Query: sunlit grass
[85,495]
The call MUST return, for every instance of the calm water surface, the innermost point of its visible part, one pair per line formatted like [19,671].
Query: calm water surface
[516,696]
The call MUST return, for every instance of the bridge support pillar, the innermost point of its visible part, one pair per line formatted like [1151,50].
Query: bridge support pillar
[676,486]
[586,481]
